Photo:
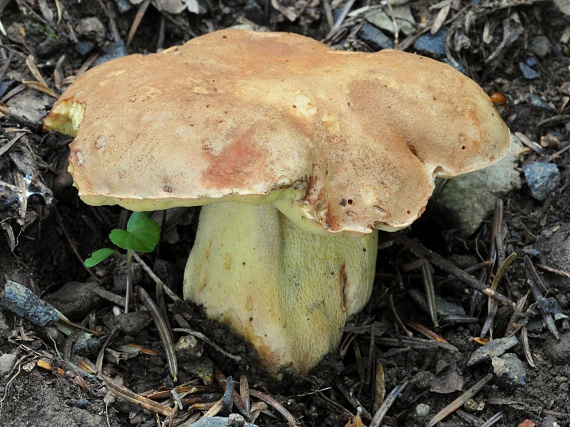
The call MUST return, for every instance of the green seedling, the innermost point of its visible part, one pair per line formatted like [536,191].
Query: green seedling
[142,235]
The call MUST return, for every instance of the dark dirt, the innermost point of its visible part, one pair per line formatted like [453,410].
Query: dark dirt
[37,248]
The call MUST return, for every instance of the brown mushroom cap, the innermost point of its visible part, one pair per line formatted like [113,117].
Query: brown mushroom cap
[339,141]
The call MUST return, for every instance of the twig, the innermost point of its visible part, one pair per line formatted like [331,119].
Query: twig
[430,291]
[341,17]
[493,420]
[136,399]
[206,340]
[381,412]
[416,343]
[221,379]
[554,270]
[138,18]
[244,394]
[513,322]
[534,280]
[457,403]
[157,280]
[276,405]
[163,331]
[526,347]
[419,250]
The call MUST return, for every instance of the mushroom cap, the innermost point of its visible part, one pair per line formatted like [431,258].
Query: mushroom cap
[338,141]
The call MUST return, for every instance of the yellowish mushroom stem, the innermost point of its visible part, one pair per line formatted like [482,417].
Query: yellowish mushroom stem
[285,290]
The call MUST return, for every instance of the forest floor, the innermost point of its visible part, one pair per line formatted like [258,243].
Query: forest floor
[515,47]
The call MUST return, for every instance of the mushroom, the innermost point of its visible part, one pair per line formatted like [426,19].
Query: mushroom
[299,154]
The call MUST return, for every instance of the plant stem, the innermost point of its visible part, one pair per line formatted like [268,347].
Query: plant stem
[129,281]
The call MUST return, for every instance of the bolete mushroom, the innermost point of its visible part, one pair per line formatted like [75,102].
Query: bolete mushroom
[300,154]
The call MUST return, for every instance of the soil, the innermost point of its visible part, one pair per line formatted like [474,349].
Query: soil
[42,383]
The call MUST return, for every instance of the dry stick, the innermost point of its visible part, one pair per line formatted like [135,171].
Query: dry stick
[163,331]
[514,324]
[381,412]
[430,291]
[244,394]
[397,316]
[493,420]
[156,279]
[138,18]
[204,338]
[341,17]
[535,282]
[420,250]
[526,347]
[276,405]
[134,398]
[221,380]
[457,403]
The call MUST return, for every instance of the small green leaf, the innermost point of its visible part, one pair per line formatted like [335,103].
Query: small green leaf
[142,234]
[98,256]
[135,217]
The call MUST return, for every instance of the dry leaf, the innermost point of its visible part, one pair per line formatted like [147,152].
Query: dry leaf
[357,422]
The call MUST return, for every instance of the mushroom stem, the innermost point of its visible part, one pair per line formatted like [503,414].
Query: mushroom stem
[285,290]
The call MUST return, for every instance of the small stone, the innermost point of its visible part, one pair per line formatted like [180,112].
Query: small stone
[510,370]
[557,351]
[47,47]
[531,252]
[536,101]
[236,420]
[375,38]
[7,361]
[494,348]
[432,44]
[21,301]
[123,5]
[422,410]
[422,380]
[134,322]
[549,141]
[188,348]
[75,299]
[542,179]
[217,422]
[528,72]
[201,368]
[91,29]
[541,46]
[254,12]
[114,50]
[531,61]
[86,346]
[83,47]
[466,201]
